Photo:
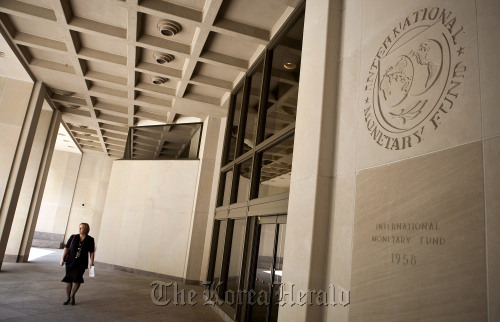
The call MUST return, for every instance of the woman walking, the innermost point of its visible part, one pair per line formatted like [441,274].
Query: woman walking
[76,256]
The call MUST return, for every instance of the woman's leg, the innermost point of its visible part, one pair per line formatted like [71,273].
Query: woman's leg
[74,289]
[68,289]
[68,292]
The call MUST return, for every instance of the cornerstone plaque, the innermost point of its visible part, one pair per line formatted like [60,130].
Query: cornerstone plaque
[419,243]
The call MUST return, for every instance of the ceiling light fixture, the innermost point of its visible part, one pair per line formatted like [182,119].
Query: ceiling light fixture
[290,65]
[162,58]
[159,80]
[169,27]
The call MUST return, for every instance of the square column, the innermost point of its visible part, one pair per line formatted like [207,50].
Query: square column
[308,217]
[204,204]
[41,179]
[20,159]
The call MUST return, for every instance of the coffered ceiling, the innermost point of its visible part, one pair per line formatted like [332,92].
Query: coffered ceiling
[111,64]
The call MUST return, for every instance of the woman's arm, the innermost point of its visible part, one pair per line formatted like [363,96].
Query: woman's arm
[65,251]
[92,259]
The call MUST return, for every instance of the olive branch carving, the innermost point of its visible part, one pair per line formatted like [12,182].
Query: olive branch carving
[409,113]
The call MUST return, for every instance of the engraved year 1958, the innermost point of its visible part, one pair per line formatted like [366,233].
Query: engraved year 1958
[404,259]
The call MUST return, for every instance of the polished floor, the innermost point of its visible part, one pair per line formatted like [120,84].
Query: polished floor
[33,292]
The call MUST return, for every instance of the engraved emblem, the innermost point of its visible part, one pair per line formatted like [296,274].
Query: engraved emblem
[414,78]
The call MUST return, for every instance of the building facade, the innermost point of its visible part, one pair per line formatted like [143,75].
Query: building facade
[353,175]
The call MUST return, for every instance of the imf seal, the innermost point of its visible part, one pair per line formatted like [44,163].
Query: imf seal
[414,79]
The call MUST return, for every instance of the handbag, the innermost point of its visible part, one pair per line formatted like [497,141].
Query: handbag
[91,271]
[69,249]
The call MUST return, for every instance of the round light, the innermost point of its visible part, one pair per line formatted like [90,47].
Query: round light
[159,80]
[162,58]
[169,27]
[290,65]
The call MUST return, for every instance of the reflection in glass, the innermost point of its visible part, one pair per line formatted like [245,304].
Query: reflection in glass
[253,107]
[284,83]
[236,121]
[244,180]
[276,168]
[226,179]
[235,262]
[262,276]
[278,269]
[220,252]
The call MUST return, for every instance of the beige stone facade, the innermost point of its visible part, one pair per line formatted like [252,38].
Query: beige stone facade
[392,204]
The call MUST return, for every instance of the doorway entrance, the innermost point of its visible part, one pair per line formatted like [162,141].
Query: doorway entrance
[267,265]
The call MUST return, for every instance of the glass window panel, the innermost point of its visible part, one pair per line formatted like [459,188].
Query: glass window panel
[234,128]
[263,271]
[244,180]
[284,83]
[220,252]
[278,269]
[253,108]
[235,262]
[276,168]
[226,179]
[279,253]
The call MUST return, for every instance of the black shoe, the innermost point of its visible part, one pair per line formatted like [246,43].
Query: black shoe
[67,301]
[73,300]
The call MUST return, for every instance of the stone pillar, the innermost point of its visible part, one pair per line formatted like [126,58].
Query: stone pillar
[20,160]
[28,188]
[310,190]
[41,179]
[205,191]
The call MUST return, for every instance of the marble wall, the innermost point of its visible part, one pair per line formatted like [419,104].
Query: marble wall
[57,198]
[416,145]
[90,193]
[147,215]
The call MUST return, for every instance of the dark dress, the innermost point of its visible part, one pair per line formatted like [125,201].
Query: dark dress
[76,265]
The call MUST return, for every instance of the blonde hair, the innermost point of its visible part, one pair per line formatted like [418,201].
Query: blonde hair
[86,227]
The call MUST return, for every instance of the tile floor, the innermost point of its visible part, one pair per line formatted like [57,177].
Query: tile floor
[33,292]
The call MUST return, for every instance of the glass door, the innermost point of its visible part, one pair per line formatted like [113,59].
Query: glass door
[268,264]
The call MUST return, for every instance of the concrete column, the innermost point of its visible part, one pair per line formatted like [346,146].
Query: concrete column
[204,195]
[28,187]
[41,179]
[305,256]
[18,169]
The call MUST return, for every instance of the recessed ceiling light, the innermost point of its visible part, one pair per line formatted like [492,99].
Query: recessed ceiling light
[158,80]
[290,65]
[169,27]
[162,58]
